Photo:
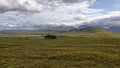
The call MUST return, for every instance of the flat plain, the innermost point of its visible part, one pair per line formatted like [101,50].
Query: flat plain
[69,50]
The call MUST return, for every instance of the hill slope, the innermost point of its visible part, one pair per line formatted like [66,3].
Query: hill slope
[89,30]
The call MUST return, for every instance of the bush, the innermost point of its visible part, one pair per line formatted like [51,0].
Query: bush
[50,37]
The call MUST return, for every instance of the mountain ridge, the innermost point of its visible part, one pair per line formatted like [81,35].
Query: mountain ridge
[60,30]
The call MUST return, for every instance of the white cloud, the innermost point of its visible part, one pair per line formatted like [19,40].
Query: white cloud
[20,5]
[109,19]
[17,14]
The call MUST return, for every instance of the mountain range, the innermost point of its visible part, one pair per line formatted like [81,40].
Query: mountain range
[60,29]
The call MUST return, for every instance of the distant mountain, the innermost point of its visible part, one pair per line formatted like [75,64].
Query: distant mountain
[114,29]
[13,31]
[49,30]
[60,29]
[53,30]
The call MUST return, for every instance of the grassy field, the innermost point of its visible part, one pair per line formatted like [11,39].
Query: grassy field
[67,51]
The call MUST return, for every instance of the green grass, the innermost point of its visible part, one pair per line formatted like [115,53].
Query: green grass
[67,51]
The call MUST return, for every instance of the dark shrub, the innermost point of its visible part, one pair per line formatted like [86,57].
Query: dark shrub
[50,37]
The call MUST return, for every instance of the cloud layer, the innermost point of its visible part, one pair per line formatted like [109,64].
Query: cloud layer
[32,14]
[20,5]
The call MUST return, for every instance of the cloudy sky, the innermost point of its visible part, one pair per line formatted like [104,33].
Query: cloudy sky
[34,14]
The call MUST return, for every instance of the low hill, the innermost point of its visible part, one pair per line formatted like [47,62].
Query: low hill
[89,30]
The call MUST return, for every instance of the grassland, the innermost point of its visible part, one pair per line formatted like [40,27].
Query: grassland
[70,50]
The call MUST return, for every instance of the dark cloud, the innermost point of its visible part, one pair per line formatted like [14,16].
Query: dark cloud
[71,1]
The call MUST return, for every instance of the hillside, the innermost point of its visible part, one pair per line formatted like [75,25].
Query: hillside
[89,30]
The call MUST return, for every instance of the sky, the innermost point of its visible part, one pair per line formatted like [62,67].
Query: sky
[37,14]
